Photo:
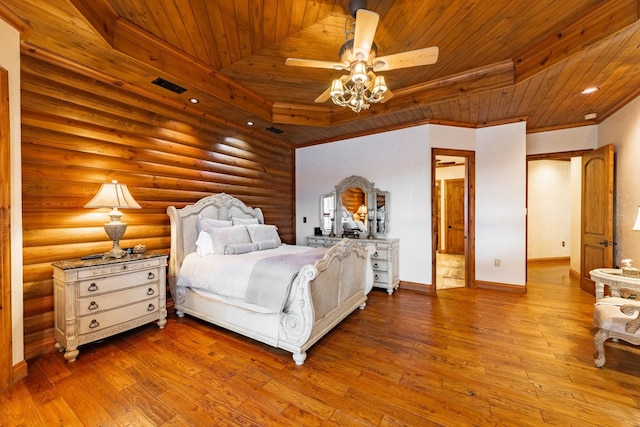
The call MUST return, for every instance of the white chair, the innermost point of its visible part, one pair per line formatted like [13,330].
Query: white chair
[615,318]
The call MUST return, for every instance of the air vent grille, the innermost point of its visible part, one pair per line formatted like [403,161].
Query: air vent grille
[275,130]
[168,85]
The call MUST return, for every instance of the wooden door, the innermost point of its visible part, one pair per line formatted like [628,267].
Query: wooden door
[5,259]
[597,214]
[454,216]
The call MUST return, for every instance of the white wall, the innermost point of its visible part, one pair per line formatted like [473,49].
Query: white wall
[500,204]
[10,61]
[623,130]
[400,162]
[549,209]
[576,214]
[563,140]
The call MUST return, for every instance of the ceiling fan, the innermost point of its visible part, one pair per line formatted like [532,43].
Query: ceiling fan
[358,55]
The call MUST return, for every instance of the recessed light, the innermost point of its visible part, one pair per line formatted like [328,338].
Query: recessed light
[590,116]
[250,123]
[194,100]
[590,90]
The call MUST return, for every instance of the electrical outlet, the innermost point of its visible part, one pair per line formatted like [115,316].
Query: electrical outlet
[563,243]
[496,262]
[304,220]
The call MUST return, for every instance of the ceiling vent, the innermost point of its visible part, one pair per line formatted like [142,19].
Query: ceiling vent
[275,130]
[168,85]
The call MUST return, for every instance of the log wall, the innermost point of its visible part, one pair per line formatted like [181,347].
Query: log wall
[78,132]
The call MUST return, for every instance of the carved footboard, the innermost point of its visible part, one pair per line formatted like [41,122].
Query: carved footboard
[323,295]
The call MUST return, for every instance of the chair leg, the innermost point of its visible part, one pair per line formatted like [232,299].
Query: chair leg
[599,338]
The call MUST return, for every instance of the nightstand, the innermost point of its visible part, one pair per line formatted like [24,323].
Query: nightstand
[98,298]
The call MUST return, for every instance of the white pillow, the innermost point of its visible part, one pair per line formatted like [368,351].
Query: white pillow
[244,221]
[226,236]
[204,245]
[264,232]
[205,223]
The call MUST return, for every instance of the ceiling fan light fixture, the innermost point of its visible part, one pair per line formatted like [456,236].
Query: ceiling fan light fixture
[379,86]
[359,73]
[337,88]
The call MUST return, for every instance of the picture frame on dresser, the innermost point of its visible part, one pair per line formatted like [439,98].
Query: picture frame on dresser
[98,298]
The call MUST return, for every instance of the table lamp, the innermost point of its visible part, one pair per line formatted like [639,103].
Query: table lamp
[114,195]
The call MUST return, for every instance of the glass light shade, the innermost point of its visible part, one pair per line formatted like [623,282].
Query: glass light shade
[336,88]
[636,226]
[359,73]
[380,85]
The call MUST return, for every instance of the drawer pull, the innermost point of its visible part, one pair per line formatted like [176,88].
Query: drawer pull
[151,275]
[375,277]
[375,265]
[92,287]
[375,254]
[150,291]
[93,305]
[94,324]
[151,307]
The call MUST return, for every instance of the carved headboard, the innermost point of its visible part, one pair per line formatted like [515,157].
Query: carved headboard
[184,224]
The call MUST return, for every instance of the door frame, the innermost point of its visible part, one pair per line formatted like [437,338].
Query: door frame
[6,337]
[470,213]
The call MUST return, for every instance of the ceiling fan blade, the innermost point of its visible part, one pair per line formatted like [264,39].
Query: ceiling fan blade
[366,24]
[412,58]
[311,63]
[324,96]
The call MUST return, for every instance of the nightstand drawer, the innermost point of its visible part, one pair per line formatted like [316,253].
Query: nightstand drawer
[101,285]
[110,270]
[120,315]
[99,303]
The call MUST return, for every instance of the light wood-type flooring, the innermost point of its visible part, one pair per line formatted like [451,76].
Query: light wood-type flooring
[466,357]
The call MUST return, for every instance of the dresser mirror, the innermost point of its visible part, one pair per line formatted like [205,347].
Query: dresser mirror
[358,208]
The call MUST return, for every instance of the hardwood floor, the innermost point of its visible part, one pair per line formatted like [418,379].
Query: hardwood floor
[465,357]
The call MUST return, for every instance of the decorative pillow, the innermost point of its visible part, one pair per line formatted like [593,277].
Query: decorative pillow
[205,223]
[226,236]
[265,244]
[263,232]
[204,245]
[244,221]
[239,248]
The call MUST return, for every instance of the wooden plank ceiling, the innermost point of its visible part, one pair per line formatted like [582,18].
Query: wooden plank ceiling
[500,61]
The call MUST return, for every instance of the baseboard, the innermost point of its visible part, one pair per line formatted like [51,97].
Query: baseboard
[574,274]
[561,258]
[504,287]
[418,287]
[19,371]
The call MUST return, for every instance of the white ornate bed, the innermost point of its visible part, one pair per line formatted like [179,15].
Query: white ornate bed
[320,296]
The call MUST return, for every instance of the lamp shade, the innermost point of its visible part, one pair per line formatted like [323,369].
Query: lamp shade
[113,195]
[636,226]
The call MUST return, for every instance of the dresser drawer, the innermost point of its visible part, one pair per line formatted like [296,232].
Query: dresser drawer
[108,301]
[100,285]
[381,277]
[380,254]
[315,241]
[93,323]
[379,265]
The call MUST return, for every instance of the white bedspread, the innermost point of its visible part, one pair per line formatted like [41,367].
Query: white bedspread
[246,277]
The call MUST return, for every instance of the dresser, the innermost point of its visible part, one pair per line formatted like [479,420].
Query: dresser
[384,260]
[97,298]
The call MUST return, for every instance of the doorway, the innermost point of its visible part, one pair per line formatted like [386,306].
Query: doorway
[453,216]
